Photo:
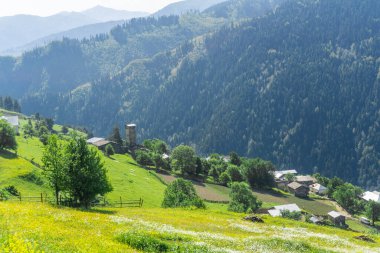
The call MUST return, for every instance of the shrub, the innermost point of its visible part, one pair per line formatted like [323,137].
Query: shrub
[143,158]
[181,193]
[224,178]
[109,150]
[242,199]
[12,190]
[143,242]
[235,173]
[291,215]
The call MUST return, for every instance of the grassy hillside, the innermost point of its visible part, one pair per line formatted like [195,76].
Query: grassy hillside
[189,230]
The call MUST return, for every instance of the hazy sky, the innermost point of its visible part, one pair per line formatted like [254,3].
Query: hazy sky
[49,7]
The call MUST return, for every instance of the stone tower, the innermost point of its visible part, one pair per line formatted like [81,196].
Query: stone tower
[130,131]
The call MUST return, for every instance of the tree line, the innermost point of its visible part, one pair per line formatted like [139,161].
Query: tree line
[10,104]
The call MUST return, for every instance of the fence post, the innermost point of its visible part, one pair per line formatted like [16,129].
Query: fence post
[104,200]
[121,202]
[20,197]
[60,200]
[42,198]
[140,202]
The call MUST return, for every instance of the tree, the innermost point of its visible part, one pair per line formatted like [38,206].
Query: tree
[242,199]
[143,158]
[116,137]
[235,159]
[28,130]
[333,184]
[259,173]
[372,211]
[290,177]
[86,174]
[7,136]
[160,163]
[181,193]
[54,162]
[224,178]
[156,146]
[347,195]
[109,150]
[235,173]
[184,160]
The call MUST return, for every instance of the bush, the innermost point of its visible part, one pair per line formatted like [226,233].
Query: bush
[235,173]
[12,190]
[291,215]
[224,178]
[143,158]
[181,193]
[143,242]
[242,199]
[109,150]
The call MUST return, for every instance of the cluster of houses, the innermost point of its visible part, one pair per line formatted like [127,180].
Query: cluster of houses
[13,121]
[337,218]
[300,186]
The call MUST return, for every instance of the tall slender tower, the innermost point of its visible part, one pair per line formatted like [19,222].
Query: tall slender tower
[130,131]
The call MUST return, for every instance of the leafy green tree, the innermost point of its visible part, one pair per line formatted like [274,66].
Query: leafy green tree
[259,173]
[86,174]
[181,193]
[156,146]
[109,150]
[116,137]
[184,160]
[7,136]
[333,184]
[372,211]
[242,199]
[224,178]
[54,165]
[28,130]
[144,158]
[160,163]
[347,195]
[235,159]
[235,173]
[321,179]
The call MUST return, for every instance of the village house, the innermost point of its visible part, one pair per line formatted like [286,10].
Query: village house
[279,175]
[318,189]
[13,121]
[101,143]
[374,196]
[337,218]
[276,211]
[307,180]
[299,190]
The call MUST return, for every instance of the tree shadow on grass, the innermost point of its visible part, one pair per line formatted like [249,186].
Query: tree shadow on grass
[8,155]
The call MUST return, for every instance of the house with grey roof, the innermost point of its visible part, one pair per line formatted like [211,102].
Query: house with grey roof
[13,121]
[276,211]
[337,218]
[299,190]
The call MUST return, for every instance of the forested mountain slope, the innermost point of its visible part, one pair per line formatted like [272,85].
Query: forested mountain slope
[299,87]
[64,65]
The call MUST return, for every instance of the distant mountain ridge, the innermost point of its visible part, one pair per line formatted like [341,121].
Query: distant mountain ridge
[19,30]
[181,7]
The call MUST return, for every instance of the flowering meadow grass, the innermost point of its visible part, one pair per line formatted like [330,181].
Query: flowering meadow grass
[44,228]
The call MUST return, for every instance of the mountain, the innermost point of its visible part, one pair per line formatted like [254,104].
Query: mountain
[19,30]
[79,33]
[240,9]
[298,87]
[181,7]
[104,14]
[64,65]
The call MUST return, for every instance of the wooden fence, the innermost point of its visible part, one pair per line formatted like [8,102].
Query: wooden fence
[63,201]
